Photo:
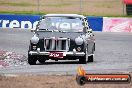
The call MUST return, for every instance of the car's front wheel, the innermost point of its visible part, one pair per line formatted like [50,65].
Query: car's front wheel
[41,60]
[90,58]
[84,59]
[32,59]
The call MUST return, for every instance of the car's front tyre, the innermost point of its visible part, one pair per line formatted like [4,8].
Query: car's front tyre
[90,58]
[41,60]
[84,59]
[32,60]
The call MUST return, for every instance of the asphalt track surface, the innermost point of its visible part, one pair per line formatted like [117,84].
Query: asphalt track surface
[113,54]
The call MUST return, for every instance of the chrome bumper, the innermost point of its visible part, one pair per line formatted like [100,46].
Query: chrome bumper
[64,53]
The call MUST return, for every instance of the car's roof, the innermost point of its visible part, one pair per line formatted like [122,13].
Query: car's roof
[65,15]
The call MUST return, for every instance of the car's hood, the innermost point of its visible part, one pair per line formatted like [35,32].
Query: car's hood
[71,35]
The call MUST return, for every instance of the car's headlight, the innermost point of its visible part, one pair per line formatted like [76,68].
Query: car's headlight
[79,41]
[34,39]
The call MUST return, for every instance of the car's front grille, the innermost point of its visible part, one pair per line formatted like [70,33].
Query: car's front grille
[56,44]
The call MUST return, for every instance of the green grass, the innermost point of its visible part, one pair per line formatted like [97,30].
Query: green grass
[107,15]
[22,12]
[41,13]
[55,6]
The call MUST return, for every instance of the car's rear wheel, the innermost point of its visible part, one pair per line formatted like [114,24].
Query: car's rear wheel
[32,60]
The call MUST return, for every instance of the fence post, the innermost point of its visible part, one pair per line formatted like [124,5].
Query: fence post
[123,8]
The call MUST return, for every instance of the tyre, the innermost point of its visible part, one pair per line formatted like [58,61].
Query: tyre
[84,59]
[41,60]
[90,58]
[32,60]
[81,80]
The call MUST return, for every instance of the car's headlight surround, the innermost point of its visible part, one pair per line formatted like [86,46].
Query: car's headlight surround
[34,39]
[79,41]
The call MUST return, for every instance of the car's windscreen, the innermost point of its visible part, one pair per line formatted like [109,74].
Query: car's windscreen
[65,24]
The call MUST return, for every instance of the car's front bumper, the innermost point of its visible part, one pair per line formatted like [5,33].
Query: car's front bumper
[64,53]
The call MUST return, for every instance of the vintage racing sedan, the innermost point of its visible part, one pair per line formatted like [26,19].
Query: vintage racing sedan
[62,37]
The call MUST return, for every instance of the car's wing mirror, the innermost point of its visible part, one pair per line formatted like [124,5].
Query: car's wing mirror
[32,30]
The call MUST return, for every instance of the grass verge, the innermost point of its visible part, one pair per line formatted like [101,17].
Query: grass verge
[43,13]
[22,12]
